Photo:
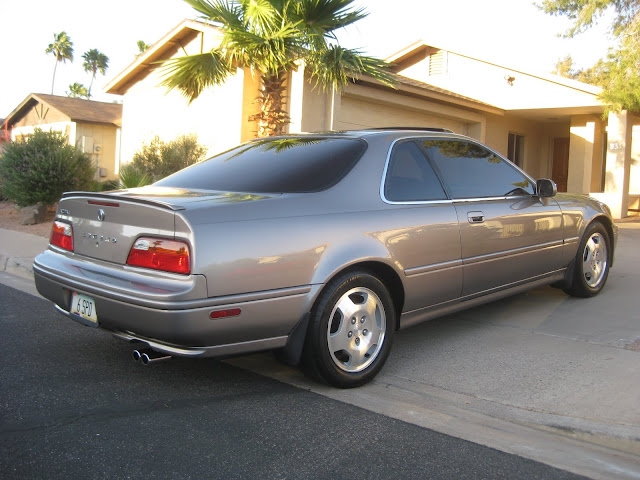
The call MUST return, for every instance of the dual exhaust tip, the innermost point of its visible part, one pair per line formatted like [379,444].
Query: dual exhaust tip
[148,356]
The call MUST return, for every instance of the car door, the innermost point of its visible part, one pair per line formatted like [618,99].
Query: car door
[422,232]
[508,234]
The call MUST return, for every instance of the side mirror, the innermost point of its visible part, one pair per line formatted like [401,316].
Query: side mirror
[546,188]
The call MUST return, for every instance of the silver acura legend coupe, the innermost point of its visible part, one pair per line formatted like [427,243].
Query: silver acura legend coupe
[318,246]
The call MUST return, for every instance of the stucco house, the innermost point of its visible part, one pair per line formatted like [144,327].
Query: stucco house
[551,126]
[93,126]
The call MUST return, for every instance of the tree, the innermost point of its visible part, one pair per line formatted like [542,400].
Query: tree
[142,47]
[596,75]
[273,38]
[619,73]
[77,90]
[62,49]
[94,62]
[159,159]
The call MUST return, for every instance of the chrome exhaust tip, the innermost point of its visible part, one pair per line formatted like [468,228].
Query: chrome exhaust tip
[137,355]
[152,356]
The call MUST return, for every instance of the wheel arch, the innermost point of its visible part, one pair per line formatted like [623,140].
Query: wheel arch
[607,223]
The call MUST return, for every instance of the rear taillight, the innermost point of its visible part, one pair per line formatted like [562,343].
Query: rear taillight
[62,235]
[160,254]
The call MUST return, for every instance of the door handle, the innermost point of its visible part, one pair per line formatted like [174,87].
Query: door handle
[475,217]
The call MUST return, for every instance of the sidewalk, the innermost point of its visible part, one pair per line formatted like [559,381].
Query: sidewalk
[17,251]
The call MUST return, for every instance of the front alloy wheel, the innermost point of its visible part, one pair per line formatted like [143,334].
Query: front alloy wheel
[592,262]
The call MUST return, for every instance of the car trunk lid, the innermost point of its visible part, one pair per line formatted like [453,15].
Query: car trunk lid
[105,226]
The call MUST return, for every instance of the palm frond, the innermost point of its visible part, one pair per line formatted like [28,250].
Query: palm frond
[260,14]
[224,12]
[191,74]
[322,17]
[336,66]
[270,51]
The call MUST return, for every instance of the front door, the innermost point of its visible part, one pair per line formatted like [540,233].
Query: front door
[560,171]
[507,233]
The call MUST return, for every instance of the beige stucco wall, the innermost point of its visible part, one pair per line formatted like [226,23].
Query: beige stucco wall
[536,141]
[67,128]
[360,106]
[216,116]
[100,143]
[488,82]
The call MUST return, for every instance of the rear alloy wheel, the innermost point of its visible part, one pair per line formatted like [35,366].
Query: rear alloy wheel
[351,329]
[592,262]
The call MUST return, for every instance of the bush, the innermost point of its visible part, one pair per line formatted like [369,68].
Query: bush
[41,167]
[159,159]
[132,177]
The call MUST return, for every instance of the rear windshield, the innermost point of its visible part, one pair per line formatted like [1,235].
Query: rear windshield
[276,165]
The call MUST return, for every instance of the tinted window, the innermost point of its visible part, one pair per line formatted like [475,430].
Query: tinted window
[410,176]
[277,165]
[472,171]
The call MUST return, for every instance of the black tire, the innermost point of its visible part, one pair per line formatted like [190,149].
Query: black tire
[592,262]
[354,311]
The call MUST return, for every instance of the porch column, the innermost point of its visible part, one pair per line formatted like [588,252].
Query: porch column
[583,131]
[618,164]
[295,99]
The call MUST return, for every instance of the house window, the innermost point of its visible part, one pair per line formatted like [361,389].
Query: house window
[516,149]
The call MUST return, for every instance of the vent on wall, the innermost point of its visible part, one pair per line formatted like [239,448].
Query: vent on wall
[437,64]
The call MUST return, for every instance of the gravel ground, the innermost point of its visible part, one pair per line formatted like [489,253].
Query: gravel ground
[10,220]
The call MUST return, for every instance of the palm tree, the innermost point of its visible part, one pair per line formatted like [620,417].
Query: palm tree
[77,90]
[274,37]
[62,48]
[94,62]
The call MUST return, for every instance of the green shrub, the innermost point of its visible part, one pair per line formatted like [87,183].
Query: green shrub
[39,168]
[109,185]
[132,177]
[104,185]
[159,159]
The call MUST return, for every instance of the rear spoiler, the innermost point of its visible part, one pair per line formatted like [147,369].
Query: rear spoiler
[123,197]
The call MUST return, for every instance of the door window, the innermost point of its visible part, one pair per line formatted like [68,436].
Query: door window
[472,171]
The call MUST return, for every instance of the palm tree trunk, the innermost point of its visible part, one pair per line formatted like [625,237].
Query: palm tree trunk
[273,116]
[91,85]
[54,75]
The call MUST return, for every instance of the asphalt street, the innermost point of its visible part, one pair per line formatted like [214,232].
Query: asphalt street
[75,405]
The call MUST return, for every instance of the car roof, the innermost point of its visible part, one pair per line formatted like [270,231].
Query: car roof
[368,132]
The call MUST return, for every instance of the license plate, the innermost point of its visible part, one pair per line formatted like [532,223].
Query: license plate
[84,307]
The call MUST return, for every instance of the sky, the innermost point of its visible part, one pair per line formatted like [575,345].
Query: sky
[512,33]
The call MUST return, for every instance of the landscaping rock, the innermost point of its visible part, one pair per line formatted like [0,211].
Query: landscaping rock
[33,214]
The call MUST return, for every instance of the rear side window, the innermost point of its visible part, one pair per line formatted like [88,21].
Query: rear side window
[274,165]
[410,177]
[472,171]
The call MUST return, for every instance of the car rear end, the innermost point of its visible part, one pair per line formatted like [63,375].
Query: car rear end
[126,263]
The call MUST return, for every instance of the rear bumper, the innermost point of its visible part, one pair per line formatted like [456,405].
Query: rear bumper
[172,322]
